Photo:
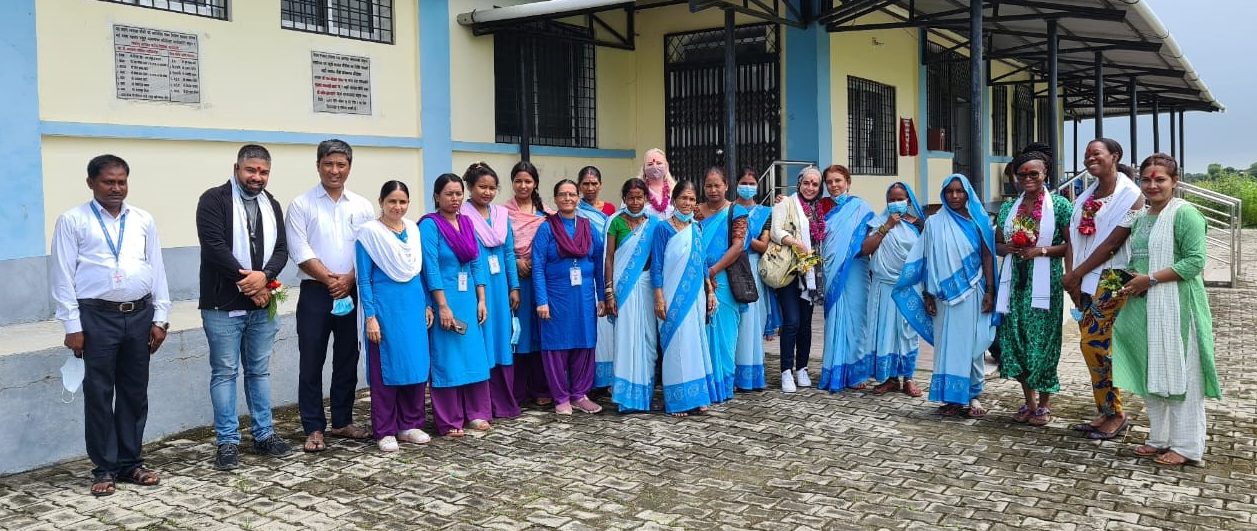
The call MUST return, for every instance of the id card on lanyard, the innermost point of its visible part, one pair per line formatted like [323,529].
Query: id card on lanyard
[117,277]
[574,274]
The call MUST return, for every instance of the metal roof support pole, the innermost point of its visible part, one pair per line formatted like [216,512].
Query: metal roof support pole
[1173,134]
[1156,124]
[1076,170]
[731,99]
[526,53]
[977,91]
[1099,104]
[1054,139]
[1134,121]
[1182,142]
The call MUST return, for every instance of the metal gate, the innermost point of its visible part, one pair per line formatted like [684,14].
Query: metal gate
[694,99]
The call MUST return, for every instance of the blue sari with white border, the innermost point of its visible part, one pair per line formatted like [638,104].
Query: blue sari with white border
[604,349]
[892,343]
[678,268]
[722,330]
[635,325]
[748,373]
[845,363]
[947,263]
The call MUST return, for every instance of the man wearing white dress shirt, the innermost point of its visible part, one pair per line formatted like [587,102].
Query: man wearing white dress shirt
[110,288]
[321,226]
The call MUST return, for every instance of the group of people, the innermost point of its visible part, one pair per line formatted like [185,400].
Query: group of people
[486,307]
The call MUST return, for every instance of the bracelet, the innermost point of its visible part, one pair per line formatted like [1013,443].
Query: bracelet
[882,230]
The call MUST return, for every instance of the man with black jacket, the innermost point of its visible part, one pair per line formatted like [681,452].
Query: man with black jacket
[243,249]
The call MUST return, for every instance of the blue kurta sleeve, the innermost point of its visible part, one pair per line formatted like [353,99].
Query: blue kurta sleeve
[657,248]
[365,272]
[540,247]
[429,240]
[600,281]
[512,270]
[479,275]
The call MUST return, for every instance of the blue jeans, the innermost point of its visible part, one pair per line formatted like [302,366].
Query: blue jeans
[249,339]
[796,327]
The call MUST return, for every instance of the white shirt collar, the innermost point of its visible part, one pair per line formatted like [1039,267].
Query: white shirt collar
[125,208]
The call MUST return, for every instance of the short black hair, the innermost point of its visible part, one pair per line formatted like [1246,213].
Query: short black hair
[100,163]
[252,151]
[333,146]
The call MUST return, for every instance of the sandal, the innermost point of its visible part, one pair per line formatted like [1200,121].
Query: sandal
[859,387]
[103,485]
[975,411]
[1084,427]
[1149,451]
[314,443]
[1041,417]
[543,401]
[910,388]
[886,387]
[1097,435]
[1171,458]
[139,475]
[563,409]
[350,432]
[1022,414]
[479,425]
[949,410]
[456,432]
[585,404]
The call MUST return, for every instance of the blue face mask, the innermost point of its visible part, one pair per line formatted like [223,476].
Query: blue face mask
[342,306]
[630,213]
[747,191]
[683,218]
[897,207]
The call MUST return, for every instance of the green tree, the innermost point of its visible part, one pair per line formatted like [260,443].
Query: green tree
[1215,170]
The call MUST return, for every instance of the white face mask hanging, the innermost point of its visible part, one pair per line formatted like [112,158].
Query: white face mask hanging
[72,372]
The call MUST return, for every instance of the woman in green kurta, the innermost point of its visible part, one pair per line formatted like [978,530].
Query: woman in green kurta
[1163,338]
[1031,234]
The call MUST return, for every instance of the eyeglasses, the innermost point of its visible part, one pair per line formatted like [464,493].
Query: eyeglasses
[1029,175]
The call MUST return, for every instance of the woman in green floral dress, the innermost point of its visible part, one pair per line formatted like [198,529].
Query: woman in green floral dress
[1030,234]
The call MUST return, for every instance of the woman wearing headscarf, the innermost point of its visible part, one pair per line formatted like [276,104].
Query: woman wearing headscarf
[723,237]
[567,273]
[527,213]
[1030,233]
[749,355]
[497,256]
[1163,338]
[798,222]
[846,272]
[590,181]
[388,259]
[456,287]
[659,183]
[953,267]
[629,300]
[890,341]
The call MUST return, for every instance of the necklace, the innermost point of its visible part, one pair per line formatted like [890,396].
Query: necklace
[390,227]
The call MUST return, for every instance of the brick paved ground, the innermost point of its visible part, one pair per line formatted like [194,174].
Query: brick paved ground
[764,461]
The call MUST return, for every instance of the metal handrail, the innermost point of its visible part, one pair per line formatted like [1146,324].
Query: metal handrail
[777,186]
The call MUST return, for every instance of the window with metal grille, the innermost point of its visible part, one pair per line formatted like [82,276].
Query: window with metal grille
[871,127]
[203,8]
[1045,127]
[999,121]
[1023,116]
[947,87]
[553,78]
[368,20]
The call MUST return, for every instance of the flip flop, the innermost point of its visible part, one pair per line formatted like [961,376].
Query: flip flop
[1170,458]
[110,486]
[1041,417]
[1148,451]
[314,443]
[350,432]
[139,475]
[1098,435]
[1084,427]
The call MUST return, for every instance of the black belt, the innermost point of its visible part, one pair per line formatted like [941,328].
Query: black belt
[120,307]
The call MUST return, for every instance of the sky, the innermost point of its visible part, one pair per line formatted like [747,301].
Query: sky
[1216,36]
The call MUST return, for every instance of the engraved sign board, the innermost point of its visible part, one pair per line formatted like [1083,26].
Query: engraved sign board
[156,65]
[342,83]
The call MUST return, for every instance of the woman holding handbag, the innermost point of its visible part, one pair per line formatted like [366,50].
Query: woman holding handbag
[748,374]
[798,223]
[723,235]
[846,363]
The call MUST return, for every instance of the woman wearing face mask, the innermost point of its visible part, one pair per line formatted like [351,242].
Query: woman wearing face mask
[683,300]
[630,300]
[592,209]
[723,237]
[455,281]
[567,272]
[958,244]
[1030,234]
[798,222]
[1163,338]
[527,213]
[889,339]
[390,292]
[659,182]
[497,256]
[1094,275]
[749,355]
[846,363]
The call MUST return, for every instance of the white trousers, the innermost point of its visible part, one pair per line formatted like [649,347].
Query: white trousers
[1179,425]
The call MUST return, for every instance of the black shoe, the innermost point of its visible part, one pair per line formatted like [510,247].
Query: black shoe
[273,446]
[228,457]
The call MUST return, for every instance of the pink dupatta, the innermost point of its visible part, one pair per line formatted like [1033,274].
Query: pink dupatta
[525,226]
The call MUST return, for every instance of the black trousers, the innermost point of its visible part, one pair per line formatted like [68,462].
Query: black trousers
[115,386]
[315,323]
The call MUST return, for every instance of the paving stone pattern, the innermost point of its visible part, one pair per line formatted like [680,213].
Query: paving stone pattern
[764,461]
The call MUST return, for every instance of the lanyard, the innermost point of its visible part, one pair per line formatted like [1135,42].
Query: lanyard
[122,227]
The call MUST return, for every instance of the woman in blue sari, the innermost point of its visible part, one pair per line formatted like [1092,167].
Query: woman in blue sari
[748,374]
[890,341]
[683,300]
[953,265]
[630,300]
[723,236]
[591,208]
[846,272]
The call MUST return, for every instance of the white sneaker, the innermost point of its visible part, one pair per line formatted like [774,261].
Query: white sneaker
[416,436]
[388,444]
[802,379]
[787,382]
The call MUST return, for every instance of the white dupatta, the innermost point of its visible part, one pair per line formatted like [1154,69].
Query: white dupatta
[1041,276]
[1125,194]
[240,245]
[400,260]
[1167,365]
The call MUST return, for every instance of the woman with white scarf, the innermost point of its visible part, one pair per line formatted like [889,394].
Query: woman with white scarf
[1163,339]
[799,222]
[1030,235]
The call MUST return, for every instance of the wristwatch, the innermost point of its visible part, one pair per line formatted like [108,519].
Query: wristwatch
[1152,281]
[1043,251]
[164,325]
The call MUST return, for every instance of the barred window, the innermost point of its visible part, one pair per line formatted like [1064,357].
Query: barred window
[368,20]
[1023,116]
[1045,127]
[204,8]
[947,87]
[999,121]
[556,75]
[871,127]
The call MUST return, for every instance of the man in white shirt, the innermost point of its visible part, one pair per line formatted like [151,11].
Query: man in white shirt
[321,226]
[110,288]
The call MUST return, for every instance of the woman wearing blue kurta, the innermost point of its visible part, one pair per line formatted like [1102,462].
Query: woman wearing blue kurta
[567,272]
[683,300]
[390,294]
[723,239]
[455,282]
[845,362]
[630,300]
[527,213]
[497,257]
[953,262]
[748,357]
[590,180]
[890,340]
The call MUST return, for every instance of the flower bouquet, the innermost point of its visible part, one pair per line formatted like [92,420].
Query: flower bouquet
[1026,225]
[279,293]
[806,261]
[1087,226]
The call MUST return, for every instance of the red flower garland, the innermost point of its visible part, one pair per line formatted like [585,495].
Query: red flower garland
[1087,226]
